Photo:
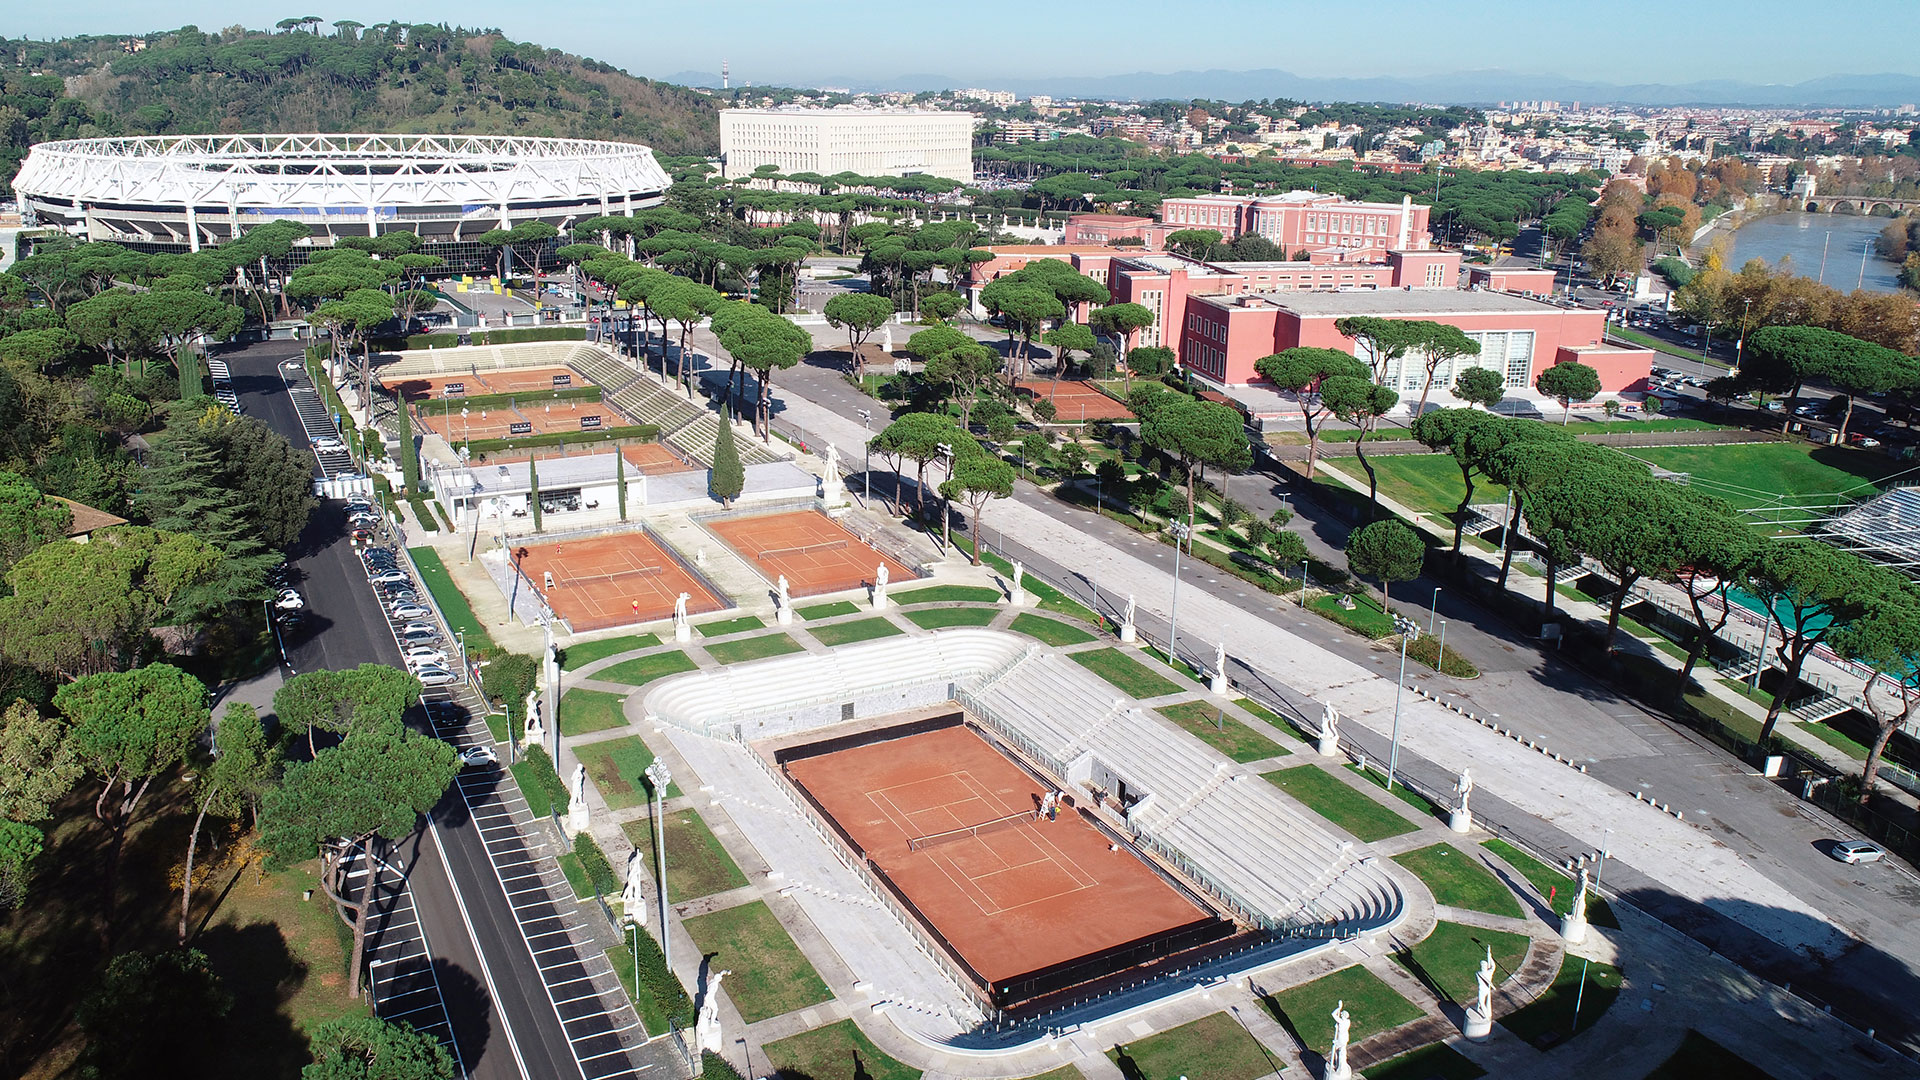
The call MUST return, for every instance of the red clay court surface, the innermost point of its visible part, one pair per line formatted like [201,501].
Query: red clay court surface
[443,418]
[1077,401]
[598,581]
[816,554]
[530,381]
[1012,900]
[653,458]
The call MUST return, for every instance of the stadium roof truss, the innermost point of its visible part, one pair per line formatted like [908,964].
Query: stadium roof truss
[347,171]
[1886,529]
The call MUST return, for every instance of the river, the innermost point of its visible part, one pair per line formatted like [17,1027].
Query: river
[1802,237]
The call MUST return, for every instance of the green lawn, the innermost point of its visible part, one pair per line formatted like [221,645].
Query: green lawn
[582,653]
[582,711]
[1429,482]
[977,594]
[1549,1019]
[452,602]
[1222,732]
[1051,599]
[1400,791]
[1366,618]
[1373,1005]
[1327,795]
[1130,675]
[617,767]
[576,874]
[770,976]
[1448,960]
[1751,475]
[845,633]
[839,1051]
[937,618]
[1215,1047]
[642,670]
[1051,631]
[1262,712]
[828,610]
[527,778]
[753,648]
[1700,1057]
[1459,881]
[1434,1062]
[730,626]
[696,863]
[1551,880]
[1837,739]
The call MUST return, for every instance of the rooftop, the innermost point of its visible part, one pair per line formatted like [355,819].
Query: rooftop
[86,519]
[1416,303]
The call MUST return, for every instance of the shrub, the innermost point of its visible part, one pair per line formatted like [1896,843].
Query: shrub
[549,780]
[508,678]
[1426,649]
[594,862]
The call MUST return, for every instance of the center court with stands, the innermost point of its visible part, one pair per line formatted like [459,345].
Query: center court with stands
[1029,903]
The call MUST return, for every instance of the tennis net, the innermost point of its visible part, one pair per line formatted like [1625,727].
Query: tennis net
[803,549]
[948,836]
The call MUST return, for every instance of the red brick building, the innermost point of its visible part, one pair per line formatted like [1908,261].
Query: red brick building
[1305,220]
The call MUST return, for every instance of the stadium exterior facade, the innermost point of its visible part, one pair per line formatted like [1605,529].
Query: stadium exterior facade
[194,191]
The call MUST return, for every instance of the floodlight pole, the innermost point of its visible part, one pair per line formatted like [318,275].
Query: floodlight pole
[1399,692]
[946,501]
[659,777]
[866,421]
[1180,533]
[1433,609]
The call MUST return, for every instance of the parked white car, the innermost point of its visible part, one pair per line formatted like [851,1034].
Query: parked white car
[288,600]
[478,755]
[436,677]
[409,611]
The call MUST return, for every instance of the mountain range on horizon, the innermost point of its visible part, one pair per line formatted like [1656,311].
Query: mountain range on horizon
[1459,88]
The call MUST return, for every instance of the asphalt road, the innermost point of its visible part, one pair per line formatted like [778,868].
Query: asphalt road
[505,1026]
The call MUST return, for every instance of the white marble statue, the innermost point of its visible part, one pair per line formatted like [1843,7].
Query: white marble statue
[1337,1067]
[706,1029]
[1462,788]
[886,340]
[880,587]
[1328,738]
[785,596]
[579,786]
[682,631]
[1128,632]
[1479,1025]
[1579,910]
[1219,683]
[632,901]
[1573,928]
[1017,596]
[536,733]
[579,814]
[783,602]
[1126,617]
[1019,573]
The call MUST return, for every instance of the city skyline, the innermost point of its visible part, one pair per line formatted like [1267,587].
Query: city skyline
[1474,46]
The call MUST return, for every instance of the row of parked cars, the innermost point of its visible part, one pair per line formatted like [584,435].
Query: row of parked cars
[421,644]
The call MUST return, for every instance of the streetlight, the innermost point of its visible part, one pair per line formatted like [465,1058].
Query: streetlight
[658,776]
[1433,608]
[1399,692]
[1180,533]
[1303,584]
[1605,849]
[866,421]
[1440,664]
[946,503]
[1746,305]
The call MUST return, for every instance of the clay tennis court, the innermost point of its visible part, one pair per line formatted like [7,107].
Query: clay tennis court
[1013,899]
[1077,401]
[531,381]
[614,580]
[442,417]
[810,548]
[653,458]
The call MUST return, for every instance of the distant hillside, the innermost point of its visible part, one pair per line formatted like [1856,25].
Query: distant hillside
[386,77]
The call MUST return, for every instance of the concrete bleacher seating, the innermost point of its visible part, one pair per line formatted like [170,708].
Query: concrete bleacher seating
[429,363]
[1274,858]
[697,437]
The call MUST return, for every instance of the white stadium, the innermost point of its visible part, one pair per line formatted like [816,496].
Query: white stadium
[174,192]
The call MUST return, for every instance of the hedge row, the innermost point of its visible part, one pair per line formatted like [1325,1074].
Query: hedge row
[638,432]
[594,862]
[660,982]
[504,336]
[427,406]
[549,780]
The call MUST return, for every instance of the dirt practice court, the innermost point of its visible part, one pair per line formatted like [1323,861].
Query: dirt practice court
[534,382]
[653,458]
[1014,898]
[1077,401]
[815,553]
[613,580]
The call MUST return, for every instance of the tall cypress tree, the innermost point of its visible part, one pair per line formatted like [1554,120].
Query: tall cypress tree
[409,455]
[728,478]
[620,480]
[533,499]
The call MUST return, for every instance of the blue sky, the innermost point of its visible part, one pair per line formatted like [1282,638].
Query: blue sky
[1616,41]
